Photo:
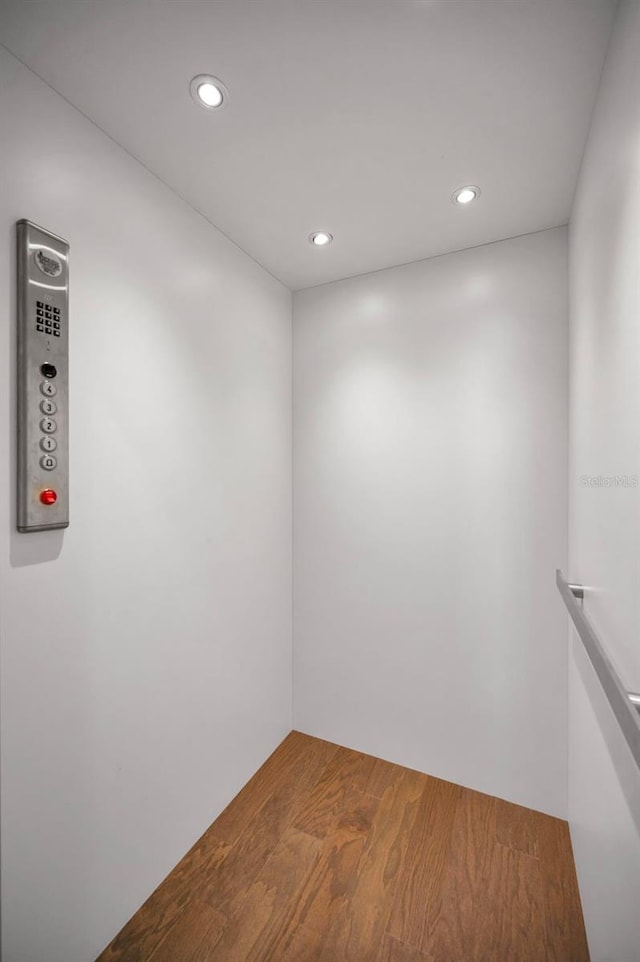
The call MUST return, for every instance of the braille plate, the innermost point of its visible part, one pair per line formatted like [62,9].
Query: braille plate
[43,338]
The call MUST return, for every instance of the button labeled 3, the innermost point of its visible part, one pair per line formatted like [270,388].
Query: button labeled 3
[48,462]
[48,388]
[48,444]
[48,425]
[48,407]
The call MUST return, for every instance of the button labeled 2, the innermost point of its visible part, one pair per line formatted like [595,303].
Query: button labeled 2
[48,425]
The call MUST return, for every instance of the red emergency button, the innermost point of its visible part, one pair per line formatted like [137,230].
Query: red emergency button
[48,496]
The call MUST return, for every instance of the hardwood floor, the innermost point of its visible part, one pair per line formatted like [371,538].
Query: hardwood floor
[329,855]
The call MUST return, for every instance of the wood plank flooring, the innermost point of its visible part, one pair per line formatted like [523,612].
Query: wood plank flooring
[329,855]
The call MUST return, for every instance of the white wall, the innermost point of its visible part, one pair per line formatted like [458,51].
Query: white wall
[604,784]
[430,453]
[145,651]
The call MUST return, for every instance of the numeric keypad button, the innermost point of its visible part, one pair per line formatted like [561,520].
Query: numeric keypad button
[47,406]
[48,462]
[48,444]
[48,426]
[48,388]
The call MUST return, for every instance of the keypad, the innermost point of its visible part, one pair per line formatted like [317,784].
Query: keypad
[48,319]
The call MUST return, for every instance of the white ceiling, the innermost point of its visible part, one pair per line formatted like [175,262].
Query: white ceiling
[355,116]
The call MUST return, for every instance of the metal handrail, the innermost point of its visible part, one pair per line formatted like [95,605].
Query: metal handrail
[624,704]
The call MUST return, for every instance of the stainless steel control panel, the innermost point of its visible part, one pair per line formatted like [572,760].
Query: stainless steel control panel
[43,379]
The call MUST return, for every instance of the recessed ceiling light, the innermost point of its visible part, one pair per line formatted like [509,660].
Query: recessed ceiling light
[208,91]
[464,195]
[320,238]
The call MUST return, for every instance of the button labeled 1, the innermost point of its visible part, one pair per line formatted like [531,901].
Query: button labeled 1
[47,406]
[48,462]
[48,444]
[48,425]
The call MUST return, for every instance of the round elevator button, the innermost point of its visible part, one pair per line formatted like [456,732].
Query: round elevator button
[48,496]
[49,370]
[48,425]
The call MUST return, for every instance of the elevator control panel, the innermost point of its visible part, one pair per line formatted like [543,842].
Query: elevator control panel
[43,379]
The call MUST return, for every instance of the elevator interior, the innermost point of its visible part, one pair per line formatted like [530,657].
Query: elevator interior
[352,370]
